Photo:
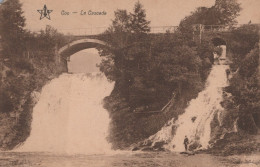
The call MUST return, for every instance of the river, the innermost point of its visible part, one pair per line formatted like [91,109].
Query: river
[125,159]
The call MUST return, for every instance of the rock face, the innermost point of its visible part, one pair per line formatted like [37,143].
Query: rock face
[149,145]
[21,80]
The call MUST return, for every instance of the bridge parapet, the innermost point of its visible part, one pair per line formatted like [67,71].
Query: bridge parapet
[154,29]
[212,28]
[84,31]
[216,28]
[164,29]
[99,30]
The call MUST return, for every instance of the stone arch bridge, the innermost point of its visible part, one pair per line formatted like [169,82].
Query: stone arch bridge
[92,38]
[79,45]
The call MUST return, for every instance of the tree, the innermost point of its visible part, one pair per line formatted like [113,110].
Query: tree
[121,21]
[118,33]
[139,24]
[125,34]
[226,11]
[12,27]
[243,41]
[245,92]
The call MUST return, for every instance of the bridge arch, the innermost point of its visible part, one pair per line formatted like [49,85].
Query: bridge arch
[79,45]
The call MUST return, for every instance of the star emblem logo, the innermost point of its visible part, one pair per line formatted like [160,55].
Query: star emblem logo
[45,13]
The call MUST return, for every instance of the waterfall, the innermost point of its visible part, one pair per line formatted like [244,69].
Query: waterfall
[69,116]
[195,121]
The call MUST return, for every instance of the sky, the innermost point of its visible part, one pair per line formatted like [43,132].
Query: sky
[159,12]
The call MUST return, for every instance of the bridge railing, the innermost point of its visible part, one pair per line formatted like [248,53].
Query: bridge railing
[164,29]
[217,28]
[154,29]
[99,30]
[84,31]
[210,28]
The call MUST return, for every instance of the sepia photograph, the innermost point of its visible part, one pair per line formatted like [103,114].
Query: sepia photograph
[129,83]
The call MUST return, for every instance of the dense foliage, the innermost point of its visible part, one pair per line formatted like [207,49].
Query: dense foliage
[149,70]
[12,27]
[244,85]
[27,62]
[224,12]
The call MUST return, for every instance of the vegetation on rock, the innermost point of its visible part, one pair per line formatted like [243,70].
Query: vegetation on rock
[27,62]
[149,70]
[244,85]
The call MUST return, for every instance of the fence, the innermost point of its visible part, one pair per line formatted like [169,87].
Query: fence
[99,30]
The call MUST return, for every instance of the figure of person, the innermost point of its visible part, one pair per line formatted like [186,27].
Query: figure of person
[186,142]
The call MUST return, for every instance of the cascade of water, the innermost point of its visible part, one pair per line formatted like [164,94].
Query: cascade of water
[69,117]
[195,122]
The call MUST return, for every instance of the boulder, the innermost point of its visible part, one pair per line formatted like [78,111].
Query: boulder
[194,146]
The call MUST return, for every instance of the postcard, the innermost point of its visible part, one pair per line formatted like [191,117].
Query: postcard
[129,83]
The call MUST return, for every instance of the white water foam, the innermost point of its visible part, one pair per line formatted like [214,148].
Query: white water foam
[202,109]
[70,118]
[195,122]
